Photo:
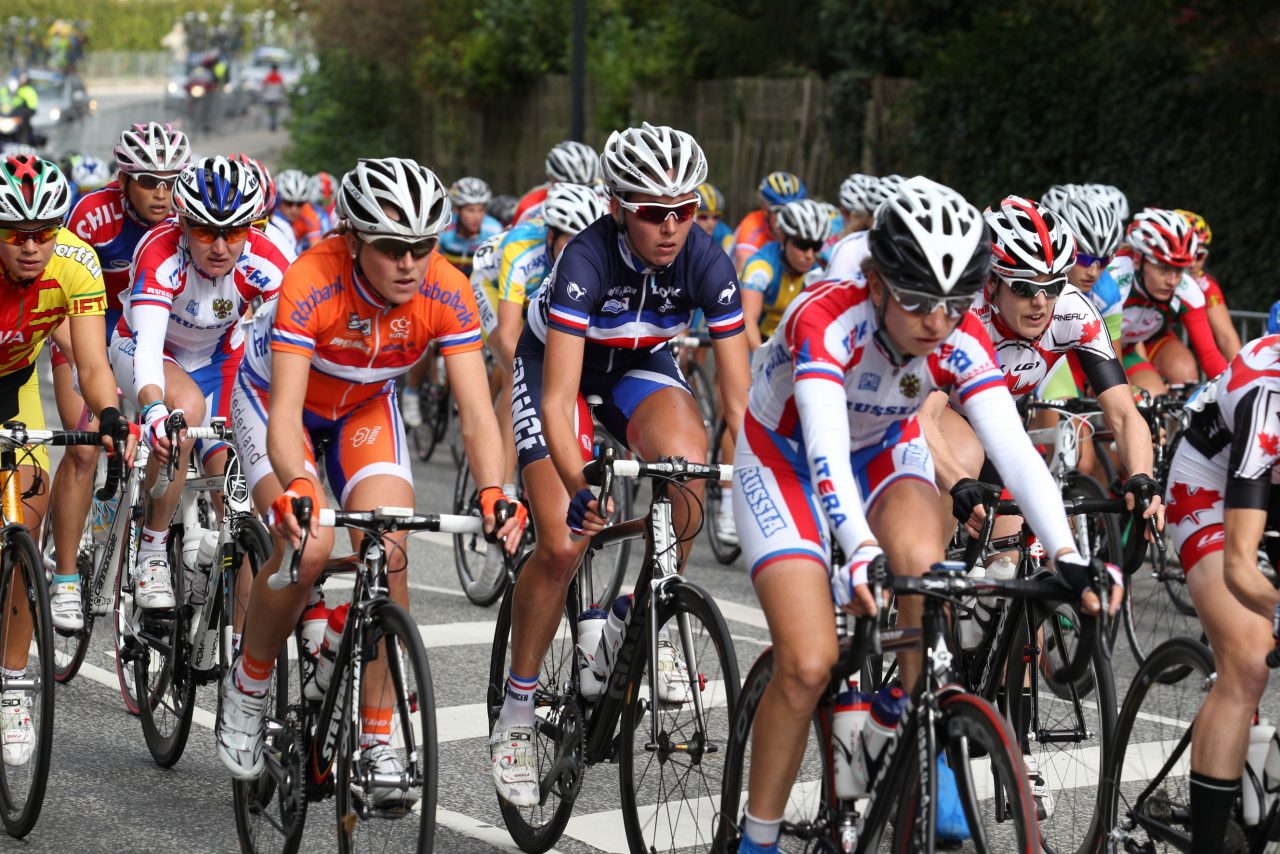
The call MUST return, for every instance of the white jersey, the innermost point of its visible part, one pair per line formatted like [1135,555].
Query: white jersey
[846,258]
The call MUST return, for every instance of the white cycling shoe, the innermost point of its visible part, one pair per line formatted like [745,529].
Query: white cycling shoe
[152,589]
[726,530]
[65,607]
[1039,788]
[511,761]
[15,727]
[239,734]
[383,761]
[410,408]
[673,675]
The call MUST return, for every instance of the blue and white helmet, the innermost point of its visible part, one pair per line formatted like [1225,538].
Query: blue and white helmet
[90,173]
[219,192]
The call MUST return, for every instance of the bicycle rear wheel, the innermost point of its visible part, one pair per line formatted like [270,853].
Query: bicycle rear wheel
[482,583]
[993,790]
[704,394]
[671,786]
[811,815]
[387,815]
[725,551]
[1149,804]
[26,643]
[559,729]
[162,669]
[1067,729]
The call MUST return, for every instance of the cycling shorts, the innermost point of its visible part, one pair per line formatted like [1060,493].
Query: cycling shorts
[772,488]
[623,390]
[1134,363]
[1194,503]
[215,381]
[20,401]
[366,442]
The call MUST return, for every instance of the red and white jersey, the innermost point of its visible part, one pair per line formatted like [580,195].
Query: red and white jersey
[1075,325]
[103,220]
[1144,317]
[829,332]
[204,313]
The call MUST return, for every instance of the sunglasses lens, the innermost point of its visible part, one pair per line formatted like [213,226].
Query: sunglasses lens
[396,248]
[657,214]
[18,236]
[808,245]
[147,181]
[202,233]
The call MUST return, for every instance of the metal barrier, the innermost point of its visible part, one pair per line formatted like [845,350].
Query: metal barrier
[1250,324]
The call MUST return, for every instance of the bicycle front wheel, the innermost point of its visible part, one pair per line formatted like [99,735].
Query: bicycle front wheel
[385,793]
[1149,803]
[162,670]
[674,744]
[26,645]
[482,581]
[1065,730]
[993,791]
[70,648]
[726,551]
[811,812]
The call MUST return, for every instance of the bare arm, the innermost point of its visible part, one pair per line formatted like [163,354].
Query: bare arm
[504,339]
[752,309]
[733,377]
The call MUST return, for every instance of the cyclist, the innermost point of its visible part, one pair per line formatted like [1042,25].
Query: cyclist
[711,215]
[181,340]
[1220,484]
[503,209]
[324,188]
[620,289]
[471,226]
[271,224]
[775,274]
[293,190]
[757,228]
[49,274]
[860,195]
[353,314]
[1158,295]
[1224,331]
[866,356]
[567,162]
[113,221]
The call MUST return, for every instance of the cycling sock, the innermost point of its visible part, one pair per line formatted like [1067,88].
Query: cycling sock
[517,706]
[1211,802]
[375,726]
[726,500]
[13,674]
[761,833]
[65,579]
[153,542]
[252,676]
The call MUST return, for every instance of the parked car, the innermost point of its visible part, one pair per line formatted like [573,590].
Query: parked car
[63,98]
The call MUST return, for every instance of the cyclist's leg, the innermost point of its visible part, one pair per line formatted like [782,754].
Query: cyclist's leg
[32,468]
[1174,360]
[73,482]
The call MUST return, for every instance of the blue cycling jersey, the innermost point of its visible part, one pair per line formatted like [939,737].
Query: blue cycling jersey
[601,291]
[1273,319]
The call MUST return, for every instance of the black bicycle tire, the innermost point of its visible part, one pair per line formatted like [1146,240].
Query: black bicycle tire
[692,600]
[724,553]
[392,617]
[727,832]
[19,821]
[1175,655]
[533,840]
[466,502]
[425,439]
[1101,695]
[166,750]
[124,570]
[1001,750]
[1082,486]
[703,394]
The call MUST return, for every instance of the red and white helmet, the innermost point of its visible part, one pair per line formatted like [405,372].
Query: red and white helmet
[1164,236]
[1028,240]
[264,178]
[152,147]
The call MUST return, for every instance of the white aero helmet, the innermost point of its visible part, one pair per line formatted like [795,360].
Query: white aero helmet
[219,192]
[570,208]
[572,162]
[152,147]
[469,191]
[659,161]
[1028,240]
[414,194]
[804,220]
[927,238]
[1093,217]
[293,185]
[862,193]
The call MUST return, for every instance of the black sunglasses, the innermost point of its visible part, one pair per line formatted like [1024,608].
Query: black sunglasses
[395,248]
[807,245]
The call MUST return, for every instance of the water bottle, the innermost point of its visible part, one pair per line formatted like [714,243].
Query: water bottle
[611,637]
[1271,772]
[329,648]
[591,623]
[206,556]
[986,607]
[877,732]
[315,620]
[192,538]
[1252,784]
[968,626]
[852,708]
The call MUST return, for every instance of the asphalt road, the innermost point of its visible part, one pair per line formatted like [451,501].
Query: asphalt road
[106,794]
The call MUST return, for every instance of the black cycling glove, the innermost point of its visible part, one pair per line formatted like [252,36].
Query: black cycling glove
[966,495]
[1142,487]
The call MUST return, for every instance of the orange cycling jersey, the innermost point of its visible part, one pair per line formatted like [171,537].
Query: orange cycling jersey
[751,234]
[307,228]
[356,341]
[70,286]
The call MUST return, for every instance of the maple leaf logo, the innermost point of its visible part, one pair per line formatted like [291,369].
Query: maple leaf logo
[1186,503]
[1090,331]
[1270,444]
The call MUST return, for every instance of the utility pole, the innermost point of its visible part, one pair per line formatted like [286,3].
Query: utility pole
[578,74]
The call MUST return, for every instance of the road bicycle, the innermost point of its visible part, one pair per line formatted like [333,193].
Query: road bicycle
[668,744]
[312,747]
[26,632]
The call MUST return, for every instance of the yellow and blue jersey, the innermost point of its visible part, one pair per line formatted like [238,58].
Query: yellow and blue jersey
[766,273]
[523,262]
